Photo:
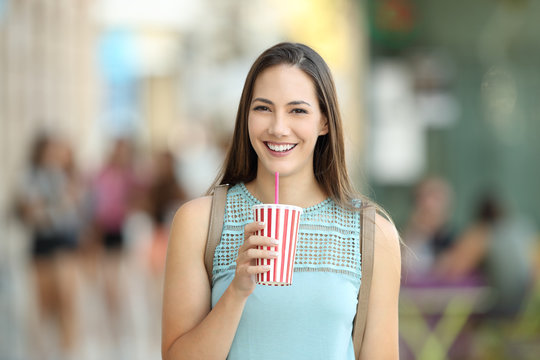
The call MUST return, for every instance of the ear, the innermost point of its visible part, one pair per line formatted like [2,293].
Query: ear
[324,126]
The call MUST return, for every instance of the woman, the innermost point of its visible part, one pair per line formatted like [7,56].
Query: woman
[50,204]
[288,121]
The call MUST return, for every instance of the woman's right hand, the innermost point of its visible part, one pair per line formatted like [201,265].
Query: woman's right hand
[246,267]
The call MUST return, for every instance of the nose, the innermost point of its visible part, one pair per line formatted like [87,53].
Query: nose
[279,126]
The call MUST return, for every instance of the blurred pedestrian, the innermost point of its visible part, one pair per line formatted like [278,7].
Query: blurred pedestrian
[165,196]
[428,232]
[115,191]
[495,249]
[50,204]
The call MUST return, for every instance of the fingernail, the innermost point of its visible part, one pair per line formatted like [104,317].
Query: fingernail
[261,223]
[274,253]
[275,241]
[267,267]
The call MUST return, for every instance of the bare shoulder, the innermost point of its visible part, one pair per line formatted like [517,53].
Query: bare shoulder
[386,230]
[196,211]
[387,240]
[191,220]
[195,207]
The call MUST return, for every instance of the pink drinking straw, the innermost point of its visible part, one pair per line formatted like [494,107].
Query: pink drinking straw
[276,190]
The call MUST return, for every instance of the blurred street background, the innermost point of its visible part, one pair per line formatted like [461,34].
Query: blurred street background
[115,112]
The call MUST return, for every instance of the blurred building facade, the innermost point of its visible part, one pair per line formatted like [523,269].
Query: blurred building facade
[48,83]
[167,74]
[462,82]
[48,77]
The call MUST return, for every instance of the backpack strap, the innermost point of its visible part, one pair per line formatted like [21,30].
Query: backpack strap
[219,200]
[367,220]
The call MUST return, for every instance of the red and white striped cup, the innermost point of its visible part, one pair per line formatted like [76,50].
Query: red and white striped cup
[281,223]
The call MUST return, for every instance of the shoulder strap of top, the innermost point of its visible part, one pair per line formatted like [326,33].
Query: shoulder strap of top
[219,200]
[367,215]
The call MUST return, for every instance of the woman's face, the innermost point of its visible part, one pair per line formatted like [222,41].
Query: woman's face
[285,121]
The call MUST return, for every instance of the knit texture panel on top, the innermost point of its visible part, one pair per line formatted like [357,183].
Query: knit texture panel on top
[313,317]
[328,237]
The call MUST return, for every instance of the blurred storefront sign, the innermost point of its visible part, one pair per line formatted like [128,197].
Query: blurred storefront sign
[392,23]
[410,96]
[398,155]
[121,104]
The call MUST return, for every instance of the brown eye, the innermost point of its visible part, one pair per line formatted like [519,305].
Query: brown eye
[261,108]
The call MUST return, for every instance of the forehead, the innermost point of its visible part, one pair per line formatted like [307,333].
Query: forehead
[284,81]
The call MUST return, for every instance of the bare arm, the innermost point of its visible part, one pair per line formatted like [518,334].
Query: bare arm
[190,328]
[381,339]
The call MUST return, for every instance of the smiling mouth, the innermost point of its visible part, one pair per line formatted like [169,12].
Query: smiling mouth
[280,147]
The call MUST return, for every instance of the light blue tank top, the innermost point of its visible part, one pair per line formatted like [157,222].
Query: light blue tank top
[312,318]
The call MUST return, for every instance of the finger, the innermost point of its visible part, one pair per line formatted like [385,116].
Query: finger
[258,269]
[250,255]
[257,240]
[261,254]
[253,227]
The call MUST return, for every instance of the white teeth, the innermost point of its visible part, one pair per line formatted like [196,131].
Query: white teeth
[280,148]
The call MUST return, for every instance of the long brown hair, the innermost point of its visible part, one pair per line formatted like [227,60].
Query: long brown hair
[329,164]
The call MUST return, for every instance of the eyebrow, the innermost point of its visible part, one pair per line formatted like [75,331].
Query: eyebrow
[295,102]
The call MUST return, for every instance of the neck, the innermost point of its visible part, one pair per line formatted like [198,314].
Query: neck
[303,192]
